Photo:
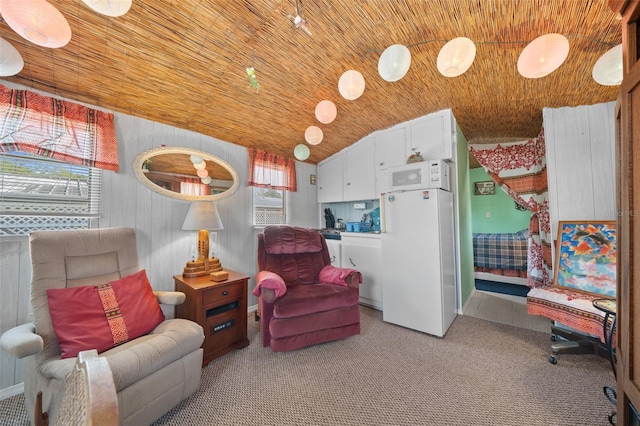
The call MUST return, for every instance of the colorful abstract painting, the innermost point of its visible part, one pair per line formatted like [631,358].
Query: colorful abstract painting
[586,257]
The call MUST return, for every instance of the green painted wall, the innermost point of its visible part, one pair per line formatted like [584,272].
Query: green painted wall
[503,216]
[467,282]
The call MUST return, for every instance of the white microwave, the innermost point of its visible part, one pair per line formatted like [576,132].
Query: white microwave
[422,175]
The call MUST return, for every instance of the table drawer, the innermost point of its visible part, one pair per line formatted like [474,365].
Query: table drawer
[221,295]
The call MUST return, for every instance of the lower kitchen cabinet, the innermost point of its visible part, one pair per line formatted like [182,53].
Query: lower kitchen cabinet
[363,252]
[334,247]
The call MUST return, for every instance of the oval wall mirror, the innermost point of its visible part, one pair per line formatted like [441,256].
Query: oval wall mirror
[186,174]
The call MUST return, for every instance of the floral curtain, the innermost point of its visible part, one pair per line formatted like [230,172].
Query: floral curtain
[271,171]
[520,169]
[56,129]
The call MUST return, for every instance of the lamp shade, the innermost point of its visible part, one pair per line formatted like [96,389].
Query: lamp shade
[38,21]
[11,62]
[608,69]
[456,57]
[351,85]
[202,215]
[109,7]
[313,135]
[543,55]
[326,111]
[301,152]
[394,62]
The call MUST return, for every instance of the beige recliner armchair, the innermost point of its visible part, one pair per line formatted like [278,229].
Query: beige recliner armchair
[152,373]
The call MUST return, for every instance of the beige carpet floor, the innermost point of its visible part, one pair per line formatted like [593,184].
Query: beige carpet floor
[505,309]
[480,373]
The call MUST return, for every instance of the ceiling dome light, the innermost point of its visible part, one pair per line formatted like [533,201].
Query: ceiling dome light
[394,62]
[351,85]
[38,21]
[206,180]
[201,165]
[313,135]
[456,57]
[301,152]
[608,69]
[202,173]
[326,111]
[109,7]
[543,55]
[195,159]
[11,62]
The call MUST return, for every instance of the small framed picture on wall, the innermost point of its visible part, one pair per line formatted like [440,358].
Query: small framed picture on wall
[485,188]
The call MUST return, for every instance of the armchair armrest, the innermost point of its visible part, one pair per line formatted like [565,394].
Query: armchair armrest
[340,276]
[269,286]
[170,297]
[22,341]
[354,279]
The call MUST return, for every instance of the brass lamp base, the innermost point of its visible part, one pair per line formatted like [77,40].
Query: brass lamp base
[204,265]
[198,268]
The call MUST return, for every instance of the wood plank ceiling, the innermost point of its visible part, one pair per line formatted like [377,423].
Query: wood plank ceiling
[183,63]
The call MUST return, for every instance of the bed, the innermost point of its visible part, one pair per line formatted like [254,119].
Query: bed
[501,257]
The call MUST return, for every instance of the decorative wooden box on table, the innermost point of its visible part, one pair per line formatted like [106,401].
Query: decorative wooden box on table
[219,307]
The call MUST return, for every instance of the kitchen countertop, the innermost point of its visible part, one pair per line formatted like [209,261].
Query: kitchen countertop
[330,234]
[372,234]
[334,234]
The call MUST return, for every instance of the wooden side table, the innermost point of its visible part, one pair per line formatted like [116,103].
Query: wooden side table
[220,308]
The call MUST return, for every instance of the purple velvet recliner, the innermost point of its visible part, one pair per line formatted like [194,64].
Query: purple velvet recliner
[303,299]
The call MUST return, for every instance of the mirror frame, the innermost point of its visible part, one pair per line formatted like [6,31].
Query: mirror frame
[144,156]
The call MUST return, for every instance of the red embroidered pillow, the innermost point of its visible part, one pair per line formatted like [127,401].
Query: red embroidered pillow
[104,316]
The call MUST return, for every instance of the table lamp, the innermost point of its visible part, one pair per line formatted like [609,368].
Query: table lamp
[202,217]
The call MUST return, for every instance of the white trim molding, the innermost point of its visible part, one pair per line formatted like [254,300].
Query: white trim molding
[11,391]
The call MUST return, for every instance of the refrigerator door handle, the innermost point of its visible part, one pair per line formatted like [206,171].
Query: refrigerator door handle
[383,218]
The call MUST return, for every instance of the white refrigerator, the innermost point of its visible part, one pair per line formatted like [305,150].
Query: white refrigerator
[418,260]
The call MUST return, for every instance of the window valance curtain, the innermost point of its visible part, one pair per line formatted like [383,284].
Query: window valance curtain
[57,129]
[520,169]
[271,171]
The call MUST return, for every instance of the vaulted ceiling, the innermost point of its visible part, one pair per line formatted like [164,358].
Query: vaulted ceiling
[183,62]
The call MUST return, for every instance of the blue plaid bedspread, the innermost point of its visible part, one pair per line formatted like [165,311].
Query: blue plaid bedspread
[501,251]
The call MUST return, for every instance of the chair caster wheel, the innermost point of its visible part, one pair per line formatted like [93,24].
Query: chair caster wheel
[553,359]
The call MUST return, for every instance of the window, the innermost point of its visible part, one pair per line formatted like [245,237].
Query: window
[271,177]
[269,206]
[38,193]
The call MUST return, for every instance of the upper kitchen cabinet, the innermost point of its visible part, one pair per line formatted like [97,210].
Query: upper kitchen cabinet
[330,183]
[432,136]
[390,148]
[358,172]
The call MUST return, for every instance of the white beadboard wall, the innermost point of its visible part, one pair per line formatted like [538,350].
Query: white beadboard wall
[15,278]
[580,150]
[163,248]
